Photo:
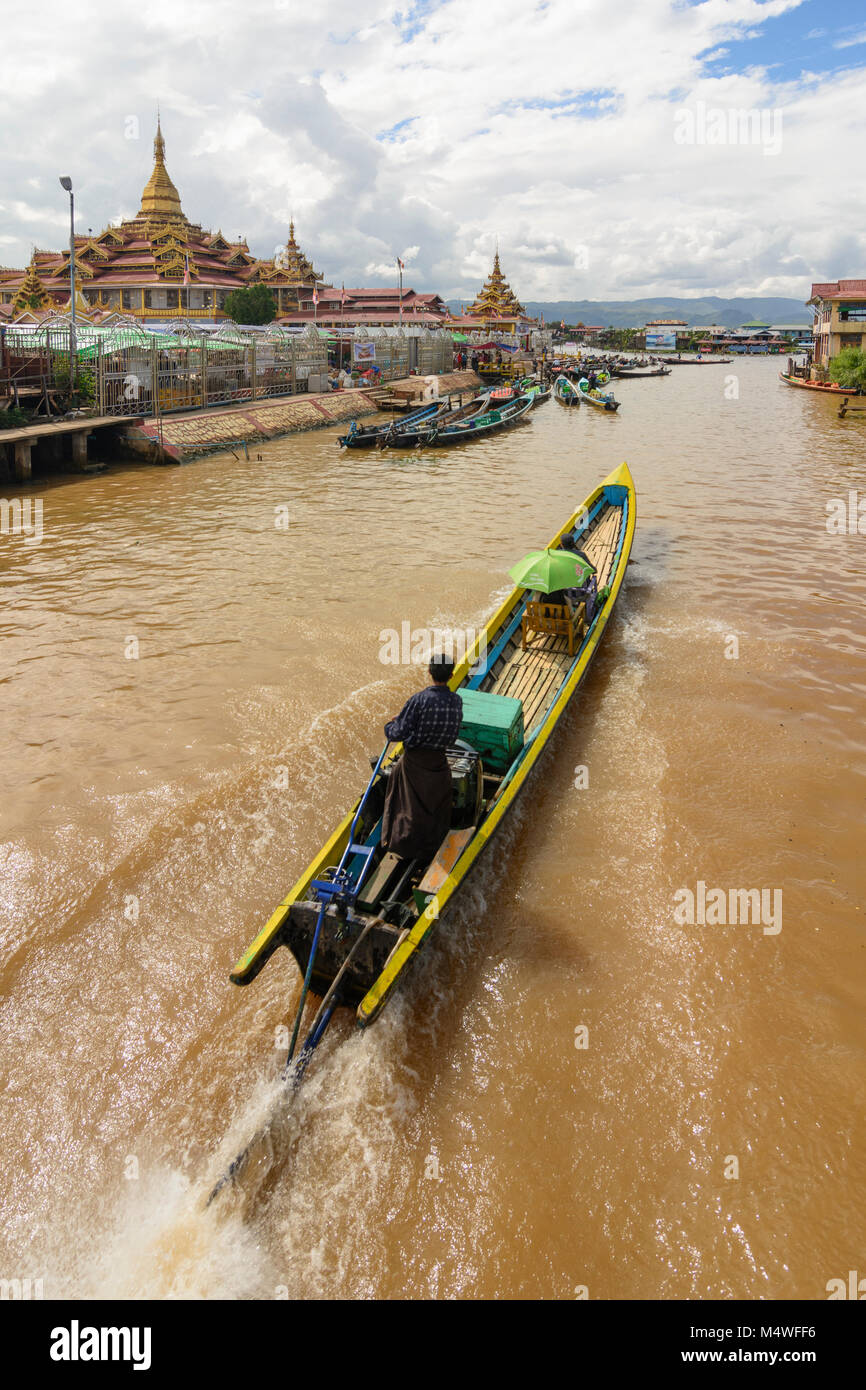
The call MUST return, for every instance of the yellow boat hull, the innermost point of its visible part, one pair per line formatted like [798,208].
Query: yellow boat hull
[271,935]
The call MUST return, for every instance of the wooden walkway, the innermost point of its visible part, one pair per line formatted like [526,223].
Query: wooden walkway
[33,434]
[534,674]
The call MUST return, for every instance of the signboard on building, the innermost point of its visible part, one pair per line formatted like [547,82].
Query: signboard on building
[661,338]
[364,352]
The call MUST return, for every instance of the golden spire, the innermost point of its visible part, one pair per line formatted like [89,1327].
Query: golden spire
[160,199]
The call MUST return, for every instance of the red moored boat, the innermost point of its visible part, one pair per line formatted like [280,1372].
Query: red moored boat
[829,387]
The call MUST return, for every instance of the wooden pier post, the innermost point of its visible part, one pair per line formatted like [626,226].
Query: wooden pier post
[23,470]
[79,450]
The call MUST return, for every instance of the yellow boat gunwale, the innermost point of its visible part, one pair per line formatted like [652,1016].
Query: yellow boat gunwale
[371,1005]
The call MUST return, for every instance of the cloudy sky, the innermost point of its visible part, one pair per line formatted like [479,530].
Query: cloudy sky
[598,141]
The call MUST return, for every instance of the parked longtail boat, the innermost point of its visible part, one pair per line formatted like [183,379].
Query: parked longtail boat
[442,435]
[539,394]
[637,373]
[404,435]
[826,387]
[593,396]
[369,436]
[565,391]
[358,915]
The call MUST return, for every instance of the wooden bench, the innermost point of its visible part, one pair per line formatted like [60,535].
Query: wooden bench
[554,618]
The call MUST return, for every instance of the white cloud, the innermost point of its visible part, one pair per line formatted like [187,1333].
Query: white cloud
[549,129]
[852,42]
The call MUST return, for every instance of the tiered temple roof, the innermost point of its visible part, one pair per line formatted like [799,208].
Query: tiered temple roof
[496,300]
[159,263]
[31,293]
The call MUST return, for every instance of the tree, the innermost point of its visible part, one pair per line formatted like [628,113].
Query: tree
[254,304]
[848,369]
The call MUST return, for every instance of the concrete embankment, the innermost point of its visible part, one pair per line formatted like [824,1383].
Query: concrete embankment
[179,437]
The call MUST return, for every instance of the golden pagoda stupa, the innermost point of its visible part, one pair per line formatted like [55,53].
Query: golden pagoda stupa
[160,201]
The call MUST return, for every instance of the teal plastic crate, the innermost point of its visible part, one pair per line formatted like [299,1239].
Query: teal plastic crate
[493,725]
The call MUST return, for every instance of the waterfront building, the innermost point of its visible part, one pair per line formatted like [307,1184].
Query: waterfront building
[366,308]
[840,318]
[663,333]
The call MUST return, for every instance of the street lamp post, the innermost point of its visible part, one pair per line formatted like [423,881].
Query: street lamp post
[66,184]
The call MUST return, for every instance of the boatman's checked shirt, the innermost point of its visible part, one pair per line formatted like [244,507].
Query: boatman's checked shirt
[430,719]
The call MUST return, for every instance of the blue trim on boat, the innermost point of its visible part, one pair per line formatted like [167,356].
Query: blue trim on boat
[494,655]
[357,862]
[589,520]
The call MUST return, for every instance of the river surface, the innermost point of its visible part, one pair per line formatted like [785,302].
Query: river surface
[576,1089]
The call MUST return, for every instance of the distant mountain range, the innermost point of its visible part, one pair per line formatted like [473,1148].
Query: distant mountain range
[634,313]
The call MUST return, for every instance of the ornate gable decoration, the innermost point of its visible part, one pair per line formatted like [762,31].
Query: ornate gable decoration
[91,250]
[172,270]
[81,267]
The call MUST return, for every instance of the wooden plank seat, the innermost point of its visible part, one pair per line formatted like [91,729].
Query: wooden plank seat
[556,619]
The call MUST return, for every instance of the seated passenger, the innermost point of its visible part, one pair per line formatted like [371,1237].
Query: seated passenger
[417,811]
[587,592]
[560,596]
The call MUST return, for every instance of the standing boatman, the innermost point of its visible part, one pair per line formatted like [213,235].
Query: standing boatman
[418,802]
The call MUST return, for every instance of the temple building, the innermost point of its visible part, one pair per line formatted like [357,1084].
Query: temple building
[157,265]
[496,300]
[496,309]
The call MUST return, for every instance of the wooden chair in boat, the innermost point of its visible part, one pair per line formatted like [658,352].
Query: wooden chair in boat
[556,619]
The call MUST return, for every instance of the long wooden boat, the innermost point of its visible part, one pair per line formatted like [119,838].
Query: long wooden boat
[593,396]
[698,361]
[491,422]
[374,911]
[368,436]
[404,435]
[565,391]
[637,374]
[827,388]
[539,394]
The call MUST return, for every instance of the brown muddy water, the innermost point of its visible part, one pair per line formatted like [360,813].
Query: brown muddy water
[575,1089]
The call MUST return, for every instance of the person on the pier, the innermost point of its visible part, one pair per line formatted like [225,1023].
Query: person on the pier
[417,811]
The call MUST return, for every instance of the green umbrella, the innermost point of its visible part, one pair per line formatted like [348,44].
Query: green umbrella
[548,570]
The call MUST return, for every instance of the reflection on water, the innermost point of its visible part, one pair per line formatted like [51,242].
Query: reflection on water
[190,694]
